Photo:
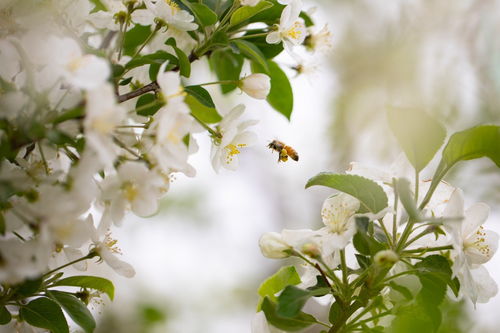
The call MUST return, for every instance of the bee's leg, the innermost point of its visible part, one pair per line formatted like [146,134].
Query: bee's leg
[283,156]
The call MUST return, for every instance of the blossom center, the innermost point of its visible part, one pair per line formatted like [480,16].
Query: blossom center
[130,191]
[232,151]
[478,242]
[294,32]
[337,219]
[173,6]
[103,125]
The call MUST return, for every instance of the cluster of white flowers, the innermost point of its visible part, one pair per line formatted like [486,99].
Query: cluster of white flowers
[467,242]
[56,190]
[96,119]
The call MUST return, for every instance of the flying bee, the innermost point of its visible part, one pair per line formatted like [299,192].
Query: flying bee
[284,151]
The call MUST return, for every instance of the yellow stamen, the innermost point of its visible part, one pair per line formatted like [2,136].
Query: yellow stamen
[294,32]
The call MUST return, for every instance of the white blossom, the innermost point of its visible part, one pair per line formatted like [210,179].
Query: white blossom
[64,58]
[133,187]
[107,250]
[102,116]
[167,11]
[291,29]
[235,136]
[473,245]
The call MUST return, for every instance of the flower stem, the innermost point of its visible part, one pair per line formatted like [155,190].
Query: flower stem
[91,254]
[429,249]
[208,128]
[220,82]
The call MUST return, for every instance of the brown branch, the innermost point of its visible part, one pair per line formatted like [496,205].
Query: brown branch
[153,86]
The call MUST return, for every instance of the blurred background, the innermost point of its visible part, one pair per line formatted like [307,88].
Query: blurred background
[198,262]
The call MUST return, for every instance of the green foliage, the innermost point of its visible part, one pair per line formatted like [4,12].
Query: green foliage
[253,53]
[268,50]
[146,106]
[29,287]
[201,94]
[293,323]
[423,312]
[270,15]
[406,197]
[44,313]
[91,282]
[475,142]
[75,308]
[369,193]
[203,14]
[184,63]
[364,241]
[292,299]
[227,66]
[5,316]
[201,104]
[134,38]
[246,12]
[281,95]
[278,281]
[419,134]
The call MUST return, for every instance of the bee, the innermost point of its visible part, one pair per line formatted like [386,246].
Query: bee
[284,151]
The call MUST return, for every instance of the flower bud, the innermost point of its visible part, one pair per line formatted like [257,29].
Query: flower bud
[256,85]
[312,250]
[273,246]
[386,258]
[250,3]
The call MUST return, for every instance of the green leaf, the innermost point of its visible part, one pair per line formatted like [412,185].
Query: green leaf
[335,312]
[227,66]
[204,113]
[281,94]
[29,287]
[475,142]
[204,15]
[363,261]
[5,316]
[134,38]
[307,19]
[268,50]
[76,112]
[201,94]
[97,6]
[406,196]
[184,63]
[369,193]
[45,313]
[244,13]
[402,290]
[414,318]
[145,100]
[278,281]
[270,15]
[91,282]
[292,299]
[419,134]
[253,53]
[75,309]
[295,323]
